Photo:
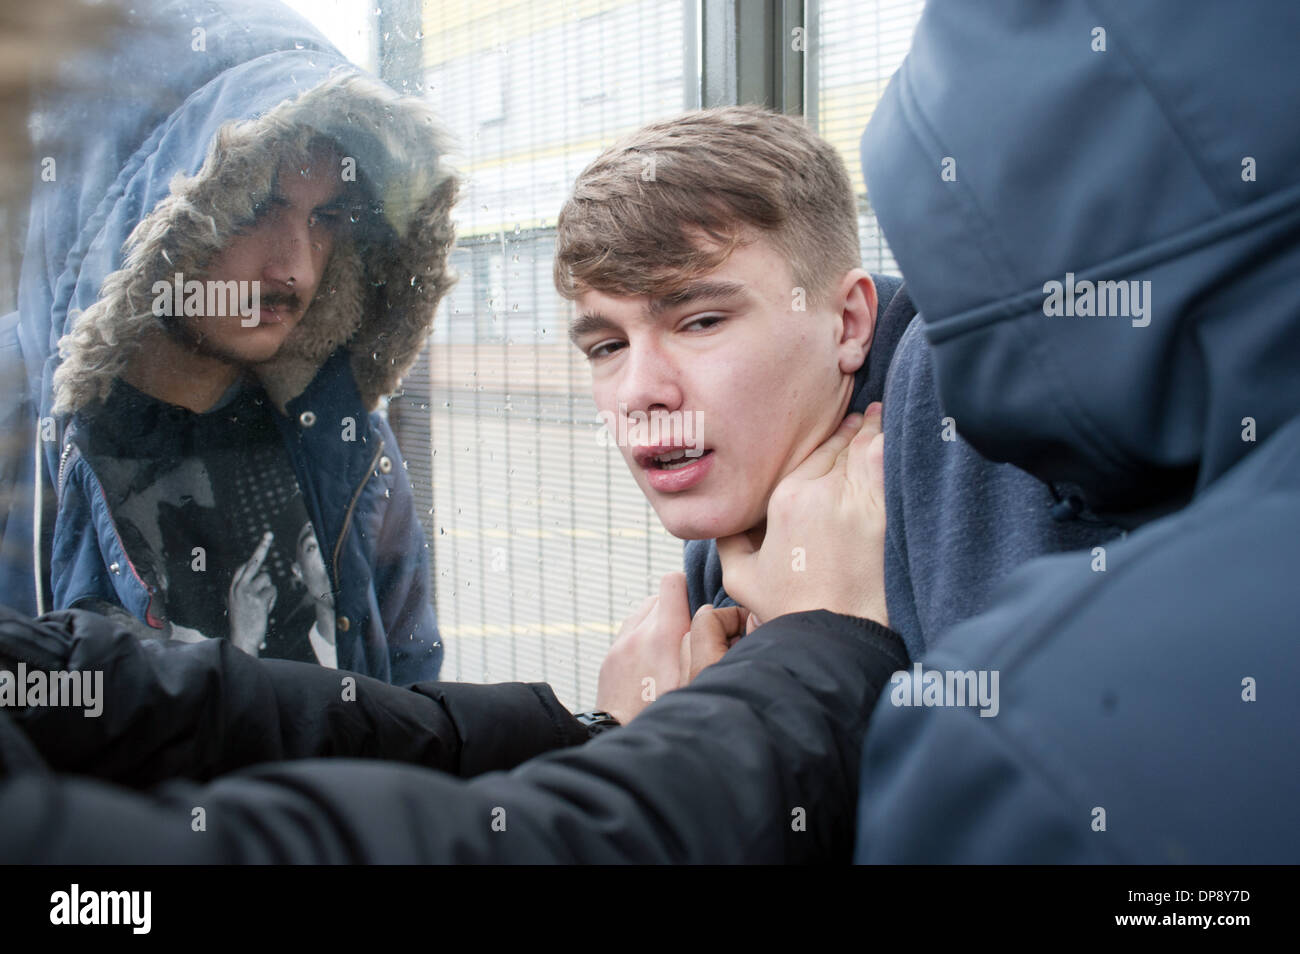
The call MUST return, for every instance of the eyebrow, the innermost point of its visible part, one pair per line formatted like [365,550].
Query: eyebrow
[589,323]
[335,206]
[707,289]
[715,289]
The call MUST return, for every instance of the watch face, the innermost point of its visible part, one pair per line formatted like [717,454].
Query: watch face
[597,721]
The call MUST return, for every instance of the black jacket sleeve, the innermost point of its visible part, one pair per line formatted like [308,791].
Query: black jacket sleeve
[200,710]
[756,761]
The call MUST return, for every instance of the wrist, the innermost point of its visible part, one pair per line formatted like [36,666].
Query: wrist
[873,610]
[597,721]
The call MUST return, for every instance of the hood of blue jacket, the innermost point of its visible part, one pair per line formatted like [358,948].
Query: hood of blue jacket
[140,182]
[1023,144]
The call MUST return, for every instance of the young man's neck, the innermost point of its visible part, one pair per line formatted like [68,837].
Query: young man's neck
[838,411]
[842,405]
[846,399]
[175,373]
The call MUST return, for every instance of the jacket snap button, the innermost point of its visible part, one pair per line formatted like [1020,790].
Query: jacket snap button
[307,418]
[385,465]
[115,568]
[344,623]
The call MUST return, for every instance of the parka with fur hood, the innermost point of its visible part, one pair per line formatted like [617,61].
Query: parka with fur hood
[159,185]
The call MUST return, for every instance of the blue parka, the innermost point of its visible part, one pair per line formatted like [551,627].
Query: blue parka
[1024,154]
[157,170]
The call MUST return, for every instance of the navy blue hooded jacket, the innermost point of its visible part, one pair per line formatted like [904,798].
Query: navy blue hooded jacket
[155,173]
[1147,707]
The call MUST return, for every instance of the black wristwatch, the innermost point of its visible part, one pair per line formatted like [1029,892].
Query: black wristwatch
[597,721]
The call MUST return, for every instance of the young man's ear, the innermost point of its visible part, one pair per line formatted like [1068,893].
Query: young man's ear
[855,299]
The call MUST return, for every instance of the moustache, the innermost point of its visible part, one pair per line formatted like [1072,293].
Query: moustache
[289,301]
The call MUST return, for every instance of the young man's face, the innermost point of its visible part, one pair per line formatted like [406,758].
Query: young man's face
[754,383]
[286,250]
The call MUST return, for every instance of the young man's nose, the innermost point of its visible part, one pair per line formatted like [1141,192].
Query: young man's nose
[650,380]
[289,260]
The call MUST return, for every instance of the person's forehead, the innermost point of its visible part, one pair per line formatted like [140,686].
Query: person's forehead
[312,181]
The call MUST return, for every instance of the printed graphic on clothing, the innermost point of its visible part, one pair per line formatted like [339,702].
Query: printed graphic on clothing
[211,513]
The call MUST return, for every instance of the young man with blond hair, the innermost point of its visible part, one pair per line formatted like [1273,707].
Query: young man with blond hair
[714,265]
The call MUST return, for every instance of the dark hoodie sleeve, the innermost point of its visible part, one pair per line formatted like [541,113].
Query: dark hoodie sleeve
[756,761]
[203,709]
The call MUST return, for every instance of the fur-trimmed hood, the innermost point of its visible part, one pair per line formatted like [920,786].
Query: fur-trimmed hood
[383,280]
[151,150]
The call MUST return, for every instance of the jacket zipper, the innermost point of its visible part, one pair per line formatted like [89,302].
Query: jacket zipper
[63,463]
[352,504]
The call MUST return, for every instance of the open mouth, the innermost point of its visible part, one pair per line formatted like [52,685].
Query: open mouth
[675,460]
[668,458]
[674,469]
